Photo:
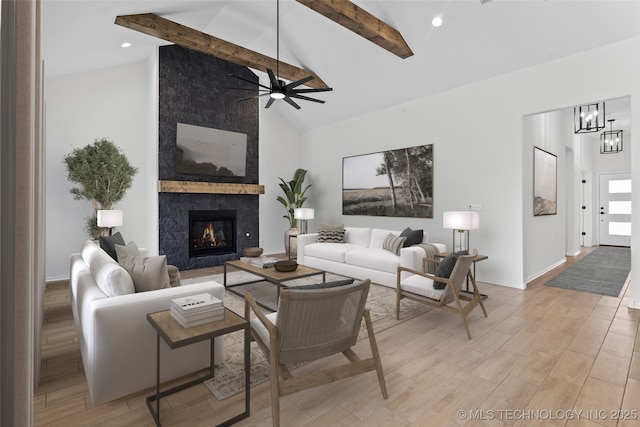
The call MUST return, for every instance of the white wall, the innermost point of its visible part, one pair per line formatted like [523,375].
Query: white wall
[478,135]
[279,157]
[544,236]
[111,103]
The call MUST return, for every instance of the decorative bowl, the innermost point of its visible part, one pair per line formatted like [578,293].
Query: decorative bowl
[252,252]
[285,266]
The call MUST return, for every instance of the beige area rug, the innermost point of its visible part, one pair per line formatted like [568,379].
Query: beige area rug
[229,377]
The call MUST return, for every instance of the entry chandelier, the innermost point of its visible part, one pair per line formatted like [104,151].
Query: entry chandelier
[611,140]
[589,118]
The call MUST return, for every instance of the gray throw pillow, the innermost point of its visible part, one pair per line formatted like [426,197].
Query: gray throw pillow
[445,267]
[130,249]
[148,273]
[108,244]
[393,243]
[414,237]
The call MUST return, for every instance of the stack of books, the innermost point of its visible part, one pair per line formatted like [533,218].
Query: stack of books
[264,262]
[197,309]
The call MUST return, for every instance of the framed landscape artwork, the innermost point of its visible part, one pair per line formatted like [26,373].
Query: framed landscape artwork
[545,193]
[389,183]
[207,151]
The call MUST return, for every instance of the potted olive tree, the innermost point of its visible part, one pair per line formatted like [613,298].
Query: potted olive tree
[294,198]
[103,175]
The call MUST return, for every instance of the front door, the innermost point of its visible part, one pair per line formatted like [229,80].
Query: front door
[615,209]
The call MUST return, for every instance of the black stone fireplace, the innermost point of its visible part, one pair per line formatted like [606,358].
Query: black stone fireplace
[212,232]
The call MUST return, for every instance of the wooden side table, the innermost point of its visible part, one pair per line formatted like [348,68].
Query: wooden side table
[177,336]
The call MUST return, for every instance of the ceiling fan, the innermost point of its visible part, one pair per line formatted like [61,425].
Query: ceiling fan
[279,89]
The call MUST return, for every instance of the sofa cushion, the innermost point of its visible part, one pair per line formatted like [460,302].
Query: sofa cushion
[360,236]
[422,286]
[393,243]
[111,278]
[329,251]
[108,244]
[89,247]
[261,331]
[378,235]
[148,273]
[374,259]
[445,267]
[414,237]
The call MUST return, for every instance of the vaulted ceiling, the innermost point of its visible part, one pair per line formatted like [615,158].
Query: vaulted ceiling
[475,42]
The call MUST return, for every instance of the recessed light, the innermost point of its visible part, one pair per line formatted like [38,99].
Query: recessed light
[125,44]
[437,21]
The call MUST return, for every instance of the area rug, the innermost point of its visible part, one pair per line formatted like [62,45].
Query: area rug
[229,376]
[602,272]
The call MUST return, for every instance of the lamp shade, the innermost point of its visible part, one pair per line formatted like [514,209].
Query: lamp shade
[303,213]
[459,220]
[110,218]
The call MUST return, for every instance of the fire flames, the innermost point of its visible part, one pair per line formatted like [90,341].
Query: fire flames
[208,239]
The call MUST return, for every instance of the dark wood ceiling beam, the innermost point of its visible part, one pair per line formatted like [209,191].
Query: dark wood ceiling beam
[162,28]
[362,23]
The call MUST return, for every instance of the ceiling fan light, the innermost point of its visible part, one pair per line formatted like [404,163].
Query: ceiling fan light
[277,95]
[437,21]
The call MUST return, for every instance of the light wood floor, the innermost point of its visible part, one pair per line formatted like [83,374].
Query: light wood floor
[542,356]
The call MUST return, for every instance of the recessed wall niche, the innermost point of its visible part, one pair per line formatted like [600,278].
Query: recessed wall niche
[193,90]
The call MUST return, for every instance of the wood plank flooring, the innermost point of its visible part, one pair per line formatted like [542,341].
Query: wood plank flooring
[543,357]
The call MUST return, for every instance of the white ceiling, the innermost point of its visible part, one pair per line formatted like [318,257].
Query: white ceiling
[474,43]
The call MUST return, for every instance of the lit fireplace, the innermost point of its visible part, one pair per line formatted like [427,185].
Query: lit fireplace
[212,232]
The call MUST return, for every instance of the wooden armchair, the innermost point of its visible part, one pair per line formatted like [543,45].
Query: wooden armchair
[418,286]
[310,325]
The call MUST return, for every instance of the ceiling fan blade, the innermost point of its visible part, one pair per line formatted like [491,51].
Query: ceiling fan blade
[274,81]
[306,98]
[290,102]
[327,89]
[249,81]
[269,102]
[252,97]
[298,82]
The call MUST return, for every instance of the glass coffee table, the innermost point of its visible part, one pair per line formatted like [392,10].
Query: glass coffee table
[270,275]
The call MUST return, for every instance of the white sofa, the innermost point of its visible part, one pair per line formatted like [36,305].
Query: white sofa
[361,256]
[117,343]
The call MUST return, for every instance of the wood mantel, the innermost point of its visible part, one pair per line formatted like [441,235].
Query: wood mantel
[208,187]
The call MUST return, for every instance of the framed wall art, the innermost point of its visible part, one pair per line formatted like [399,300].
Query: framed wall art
[545,173]
[389,183]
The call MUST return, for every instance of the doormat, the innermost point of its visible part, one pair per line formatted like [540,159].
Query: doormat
[603,272]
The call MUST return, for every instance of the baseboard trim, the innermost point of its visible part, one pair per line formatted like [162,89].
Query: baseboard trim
[551,267]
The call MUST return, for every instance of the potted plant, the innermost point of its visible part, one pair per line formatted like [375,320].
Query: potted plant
[104,175]
[294,198]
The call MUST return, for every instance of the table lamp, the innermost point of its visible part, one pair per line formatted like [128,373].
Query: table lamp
[461,222]
[303,214]
[109,219]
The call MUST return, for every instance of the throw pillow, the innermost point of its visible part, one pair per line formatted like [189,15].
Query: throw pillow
[393,243]
[445,267]
[148,273]
[324,285]
[130,249]
[108,244]
[330,233]
[174,275]
[414,237]
[329,227]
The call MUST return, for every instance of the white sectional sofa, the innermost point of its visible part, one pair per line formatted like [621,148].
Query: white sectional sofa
[361,256]
[117,343]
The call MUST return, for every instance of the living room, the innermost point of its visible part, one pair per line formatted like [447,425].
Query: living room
[481,156]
